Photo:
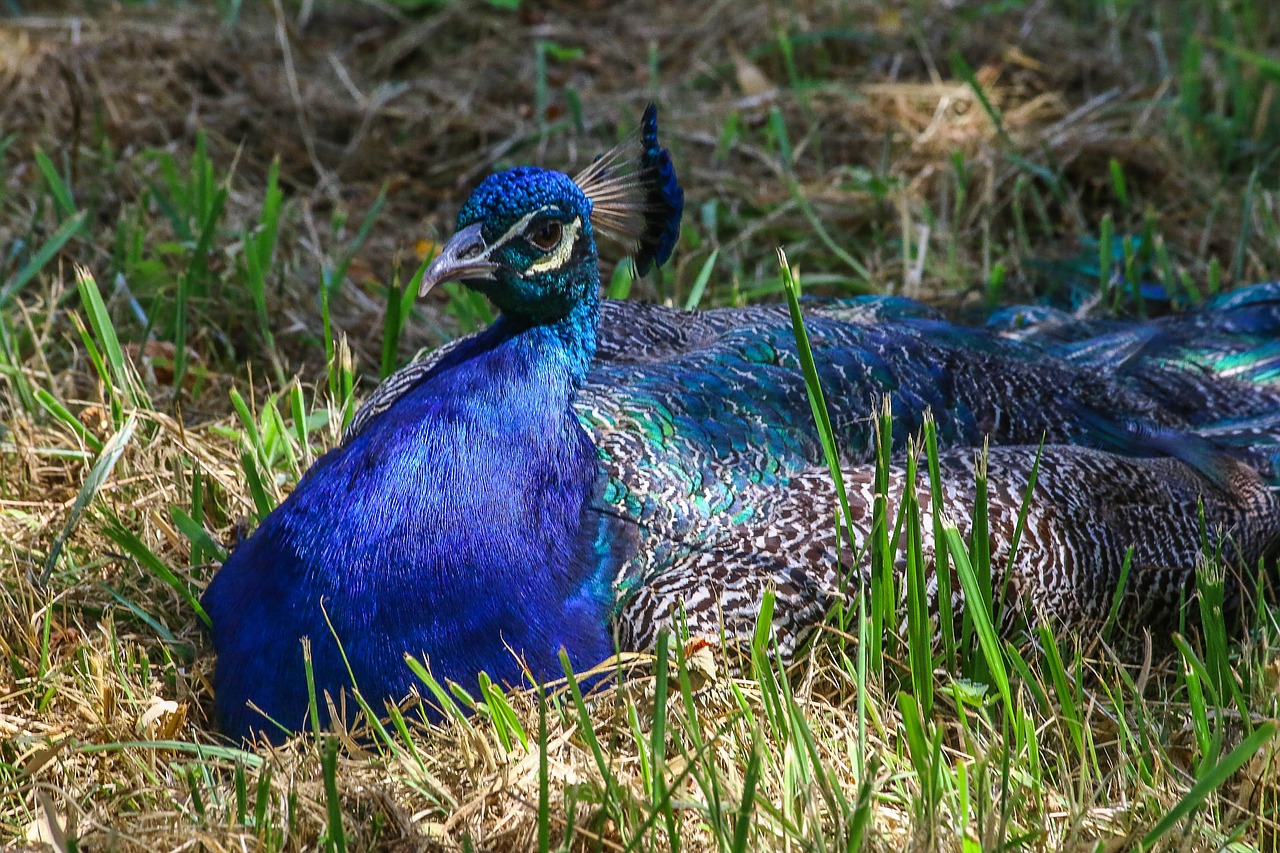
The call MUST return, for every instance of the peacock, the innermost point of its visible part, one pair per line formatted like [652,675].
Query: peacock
[583,473]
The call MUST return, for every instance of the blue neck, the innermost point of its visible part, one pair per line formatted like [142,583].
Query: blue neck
[572,337]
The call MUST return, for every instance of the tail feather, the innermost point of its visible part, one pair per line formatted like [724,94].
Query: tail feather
[1050,327]
[1144,440]
[1256,440]
[1262,293]
[1252,311]
[1260,365]
[1109,353]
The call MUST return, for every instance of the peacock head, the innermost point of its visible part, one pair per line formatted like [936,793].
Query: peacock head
[526,237]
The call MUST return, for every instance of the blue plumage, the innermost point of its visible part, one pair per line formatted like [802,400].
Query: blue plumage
[401,541]
[583,470]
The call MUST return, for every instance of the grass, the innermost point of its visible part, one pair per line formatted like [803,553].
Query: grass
[204,264]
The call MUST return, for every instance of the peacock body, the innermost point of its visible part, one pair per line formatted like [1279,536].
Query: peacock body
[1090,508]
[581,474]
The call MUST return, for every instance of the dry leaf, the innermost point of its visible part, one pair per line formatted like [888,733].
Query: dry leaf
[753,82]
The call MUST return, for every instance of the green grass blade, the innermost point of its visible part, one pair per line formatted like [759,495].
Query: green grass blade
[965,72]
[624,275]
[1068,707]
[70,421]
[544,781]
[137,549]
[98,474]
[942,565]
[105,333]
[917,742]
[1210,781]
[588,732]
[700,283]
[919,621]
[63,202]
[1117,598]
[448,706]
[335,836]
[11,366]
[46,253]
[984,627]
[201,751]
[658,742]
[196,534]
[742,819]
[817,402]
[339,273]
[262,502]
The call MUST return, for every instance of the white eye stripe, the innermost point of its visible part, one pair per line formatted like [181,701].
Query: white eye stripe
[560,255]
[514,231]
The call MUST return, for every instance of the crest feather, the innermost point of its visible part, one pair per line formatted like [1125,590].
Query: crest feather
[635,196]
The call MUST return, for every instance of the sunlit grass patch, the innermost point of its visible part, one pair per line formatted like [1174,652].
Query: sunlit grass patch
[202,270]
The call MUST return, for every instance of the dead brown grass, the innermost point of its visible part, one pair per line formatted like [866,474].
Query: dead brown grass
[352,98]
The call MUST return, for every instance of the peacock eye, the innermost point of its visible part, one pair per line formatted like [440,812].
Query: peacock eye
[545,235]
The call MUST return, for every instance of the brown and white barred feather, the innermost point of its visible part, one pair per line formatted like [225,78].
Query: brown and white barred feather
[1088,509]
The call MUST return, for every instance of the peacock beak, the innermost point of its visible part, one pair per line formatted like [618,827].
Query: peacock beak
[463,257]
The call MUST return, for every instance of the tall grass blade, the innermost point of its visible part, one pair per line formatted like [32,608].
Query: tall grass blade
[98,474]
[588,732]
[448,706]
[11,367]
[334,279]
[197,535]
[121,378]
[63,202]
[975,605]
[817,401]
[624,275]
[658,742]
[883,599]
[262,502]
[45,254]
[913,726]
[1067,706]
[742,819]
[1117,598]
[700,283]
[70,421]
[965,72]
[336,836]
[942,565]
[1210,781]
[136,548]
[919,622]
[544,781]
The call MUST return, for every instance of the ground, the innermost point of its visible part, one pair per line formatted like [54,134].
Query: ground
[208,212]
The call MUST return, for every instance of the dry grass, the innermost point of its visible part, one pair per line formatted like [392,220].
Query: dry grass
[782,118]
